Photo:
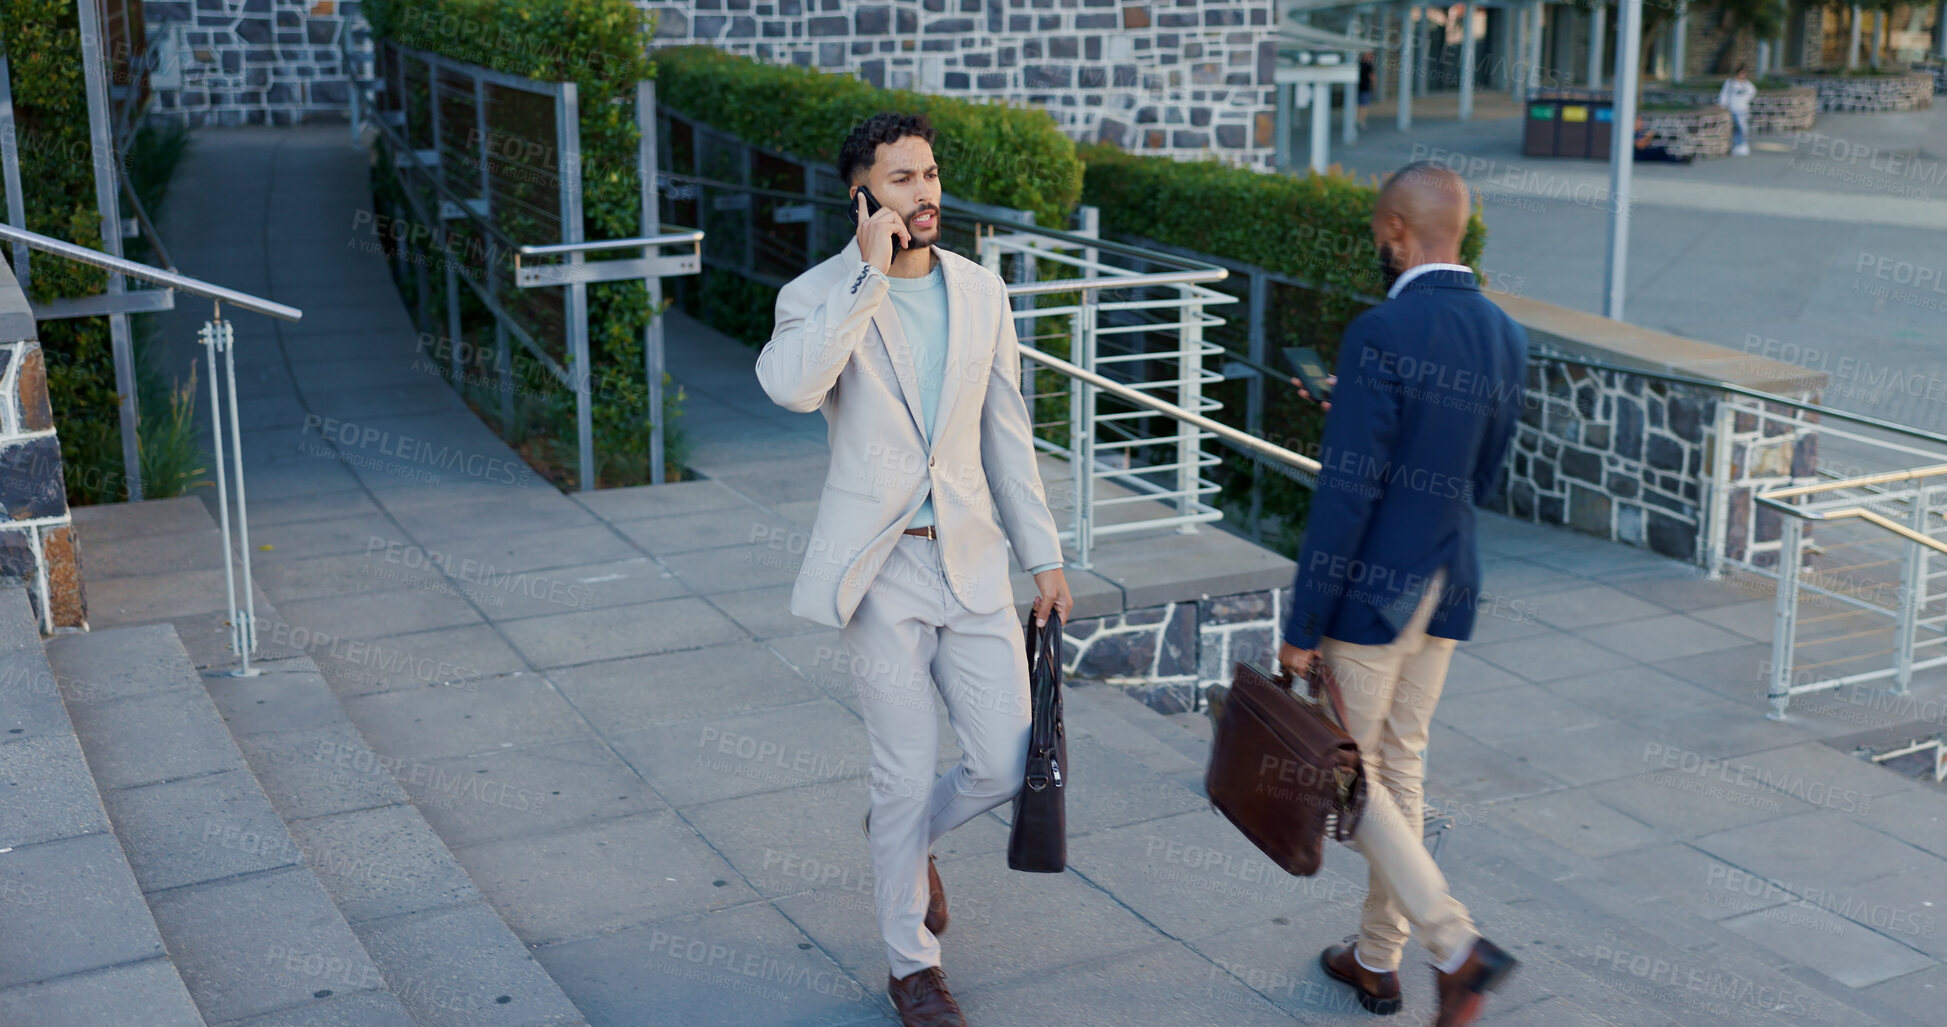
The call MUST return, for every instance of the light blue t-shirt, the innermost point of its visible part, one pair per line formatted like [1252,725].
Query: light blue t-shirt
[920,304]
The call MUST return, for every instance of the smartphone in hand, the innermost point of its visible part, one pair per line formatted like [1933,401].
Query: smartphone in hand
[1310,368]
[871,207]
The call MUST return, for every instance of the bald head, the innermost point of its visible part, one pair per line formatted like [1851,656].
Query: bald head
[1422,214]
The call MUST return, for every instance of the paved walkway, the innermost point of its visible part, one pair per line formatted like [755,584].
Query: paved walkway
[670,767]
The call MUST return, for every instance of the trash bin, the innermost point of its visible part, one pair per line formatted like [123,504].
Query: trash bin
[1568,124]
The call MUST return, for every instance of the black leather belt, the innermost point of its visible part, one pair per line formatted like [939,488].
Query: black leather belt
[926,532]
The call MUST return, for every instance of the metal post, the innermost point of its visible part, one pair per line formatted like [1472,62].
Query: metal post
[652,339]
[211,336]
[1281,126]
[504,366]
[1189,387]
[1404,117]
[10,172]
[1852,48]
[1879,35]
[108,201]
[1468,57]
[1378,58]
[1423,47]
[1255,384]
[1913,588]
[1598,27]
[454,363]
[1940,28]
[1680,44]
[1784,627]
[1533,77]
[1321,126]
[247,615]
[1349,130]
[1081,434]
[1517,49]
[1720,483]
[568,141]
[1622,152]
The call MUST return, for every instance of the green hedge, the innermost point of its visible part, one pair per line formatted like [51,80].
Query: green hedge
[1314,227]
[989,152]
[600,45]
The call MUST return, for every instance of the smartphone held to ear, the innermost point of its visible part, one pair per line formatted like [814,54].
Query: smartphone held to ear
[871,207]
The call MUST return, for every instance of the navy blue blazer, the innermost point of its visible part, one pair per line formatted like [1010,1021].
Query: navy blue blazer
[1430,389]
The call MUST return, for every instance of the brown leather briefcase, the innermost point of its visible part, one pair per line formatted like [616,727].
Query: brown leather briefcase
[1284,771]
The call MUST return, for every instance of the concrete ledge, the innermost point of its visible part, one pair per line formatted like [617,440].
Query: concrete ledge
[1594,337]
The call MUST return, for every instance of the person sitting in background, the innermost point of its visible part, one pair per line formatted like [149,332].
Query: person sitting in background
[1648,151]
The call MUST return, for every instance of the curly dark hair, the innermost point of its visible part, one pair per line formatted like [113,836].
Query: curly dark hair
[862,146]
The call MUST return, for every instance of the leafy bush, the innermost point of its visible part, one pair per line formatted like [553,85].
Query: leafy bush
[600,45]
[1315,228]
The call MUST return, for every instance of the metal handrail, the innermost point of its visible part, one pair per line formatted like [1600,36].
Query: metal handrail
[558,248]
[1775,499]
[171,279]
[1251,442]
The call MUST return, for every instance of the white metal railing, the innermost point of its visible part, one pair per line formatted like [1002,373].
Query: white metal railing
[1885,530]
[1105,334]
[217,336]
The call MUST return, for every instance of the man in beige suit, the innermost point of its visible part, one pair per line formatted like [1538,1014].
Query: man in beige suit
[909,351]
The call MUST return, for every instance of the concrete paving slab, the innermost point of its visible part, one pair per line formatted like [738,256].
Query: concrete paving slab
[716,529]
[316,771]
[1740,672]
[507,511]
[1814,850]
[675,498]
[599,878]
[1907,908]
[586,636]
[1915,817]
[48,791]
[711,571]
[620,696]
[493,980]
[315,577]
[291,508]
[200,829]
[148,992]
[1147,988]
[1918,994]
[1580,823]
[518,792]
[157,597]
[122,558]
[498,713]
[752,966]
[150,738]
[1717,729]
[261,943]
[1627,691]
[110,522]
[382,862]
[1545,657]
[99,667]
[30,698]
[446,658]
[289,695]
[1836,947]
[1600,751]
[764,612]
[720,757]
[1821,775]
[357,1009]
[1508,713]
[596,586]
[1470,675]
[503,553]
[1478,773]
[298,539]
[1671,636]
[1594,604]
[1697,803]
[71,906]
[379,613]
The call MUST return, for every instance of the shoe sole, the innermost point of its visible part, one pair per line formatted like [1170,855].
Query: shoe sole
[1372,1003]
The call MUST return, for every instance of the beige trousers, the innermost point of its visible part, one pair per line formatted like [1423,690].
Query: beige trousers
[1390,691]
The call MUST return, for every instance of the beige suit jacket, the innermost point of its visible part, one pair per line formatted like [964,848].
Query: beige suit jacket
[838,349]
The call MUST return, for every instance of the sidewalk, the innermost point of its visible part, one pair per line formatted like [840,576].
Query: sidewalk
[670,769]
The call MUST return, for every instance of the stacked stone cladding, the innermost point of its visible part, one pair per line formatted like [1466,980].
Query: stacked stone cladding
[38,547]
[254,62]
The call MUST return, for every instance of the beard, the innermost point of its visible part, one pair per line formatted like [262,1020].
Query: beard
[913,233]
[1388,274]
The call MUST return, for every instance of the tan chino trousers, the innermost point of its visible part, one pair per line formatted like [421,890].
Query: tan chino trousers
[1390,692]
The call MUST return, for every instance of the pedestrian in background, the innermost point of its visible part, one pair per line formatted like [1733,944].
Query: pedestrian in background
[1429,390]
[1736,98]
[1365,86]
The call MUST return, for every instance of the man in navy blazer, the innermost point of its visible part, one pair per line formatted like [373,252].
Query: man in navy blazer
[1428,392]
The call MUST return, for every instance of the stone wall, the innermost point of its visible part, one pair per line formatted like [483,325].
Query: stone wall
[1633,459]
[253,62]
[1871,93]
[1188,78]
[1772,110]
[1166,655]
[1705,132]
[38,546]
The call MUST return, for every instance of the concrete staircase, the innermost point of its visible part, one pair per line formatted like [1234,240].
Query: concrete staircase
[79,945]
[1519,887]
[286,872]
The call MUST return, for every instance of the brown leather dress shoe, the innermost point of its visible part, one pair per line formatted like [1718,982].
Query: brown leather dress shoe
[923,1001]
[935,899]
[1378,990]
[1463,992]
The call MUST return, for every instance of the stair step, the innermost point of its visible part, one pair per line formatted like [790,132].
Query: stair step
[1104,712]
[438,946]
[79,945]
[250,928]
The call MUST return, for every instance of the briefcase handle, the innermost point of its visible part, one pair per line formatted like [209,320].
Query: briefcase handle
[1319,673]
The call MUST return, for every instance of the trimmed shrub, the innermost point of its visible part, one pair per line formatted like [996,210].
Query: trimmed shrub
[600,45]
[1317,228]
